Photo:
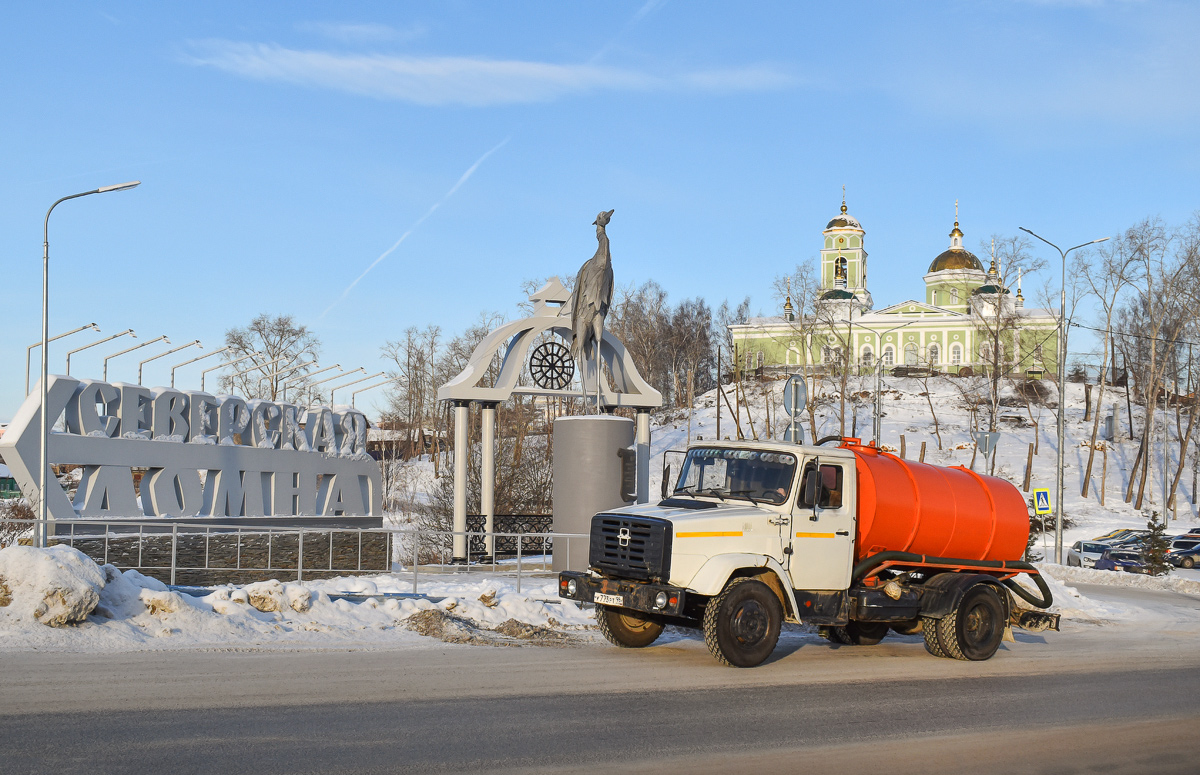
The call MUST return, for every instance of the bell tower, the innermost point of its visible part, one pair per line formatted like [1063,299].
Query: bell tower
[844,257]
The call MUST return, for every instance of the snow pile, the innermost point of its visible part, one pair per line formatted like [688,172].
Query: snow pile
[55,587]
[1071,604]
[1121,579]
[115,611]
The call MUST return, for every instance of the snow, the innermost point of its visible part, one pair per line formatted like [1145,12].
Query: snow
[117,611]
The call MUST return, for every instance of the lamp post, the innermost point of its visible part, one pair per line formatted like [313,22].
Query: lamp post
[336,376]
[368,387]
[333,390]
[162,338]
[1062,391]
[40,533]
[204,373]
[283,388]
[274,376]
[29,350]
[195,343]
[193,360]
[126,332]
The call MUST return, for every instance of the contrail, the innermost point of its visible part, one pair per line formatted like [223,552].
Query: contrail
[465,177]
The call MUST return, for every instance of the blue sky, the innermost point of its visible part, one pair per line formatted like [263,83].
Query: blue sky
[285,147]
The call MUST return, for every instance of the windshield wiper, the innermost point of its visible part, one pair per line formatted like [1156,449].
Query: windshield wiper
[749,497]
[712,491]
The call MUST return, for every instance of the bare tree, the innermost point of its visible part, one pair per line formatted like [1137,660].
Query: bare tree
[283,352]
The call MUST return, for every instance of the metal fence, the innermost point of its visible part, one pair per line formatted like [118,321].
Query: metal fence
[208,554]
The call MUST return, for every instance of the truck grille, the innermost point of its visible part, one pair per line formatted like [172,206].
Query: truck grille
[631,547]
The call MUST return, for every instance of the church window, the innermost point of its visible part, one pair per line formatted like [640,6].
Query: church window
[954,296]
[827,354]
[956,355]
[867,356]
[985,351]
[1037,352]
[934,354]
[910,354]
[888,355]
[761,359]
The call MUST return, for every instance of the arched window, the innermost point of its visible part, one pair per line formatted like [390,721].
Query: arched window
[954,296]
[868,357]
[761,359]
[934,354]
[955,355]
[910,354]
[985,352]
[749,360]
[827,354]
[840,268]
[888,355]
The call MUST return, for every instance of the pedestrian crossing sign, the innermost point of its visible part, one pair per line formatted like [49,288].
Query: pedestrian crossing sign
[1041,501]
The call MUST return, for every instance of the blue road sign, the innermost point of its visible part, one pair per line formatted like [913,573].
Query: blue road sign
[1041,501]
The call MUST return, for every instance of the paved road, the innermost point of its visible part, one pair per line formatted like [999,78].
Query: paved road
[1102,699]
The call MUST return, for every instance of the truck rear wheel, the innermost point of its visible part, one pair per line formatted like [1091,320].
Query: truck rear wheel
[741,625]
[929,628]
[974,629]
[627,629]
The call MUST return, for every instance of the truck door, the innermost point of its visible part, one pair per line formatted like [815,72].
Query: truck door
[822,533]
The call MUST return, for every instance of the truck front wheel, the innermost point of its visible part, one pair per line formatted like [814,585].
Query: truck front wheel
[974,629]
[741,625]
[627,629]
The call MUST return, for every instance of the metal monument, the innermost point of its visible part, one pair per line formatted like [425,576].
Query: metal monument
[538,356]
[591,300]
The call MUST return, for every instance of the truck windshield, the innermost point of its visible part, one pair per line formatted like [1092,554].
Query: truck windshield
[747,474]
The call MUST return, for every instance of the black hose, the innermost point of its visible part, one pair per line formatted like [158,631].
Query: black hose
[874,561]
[828,438]
[1020,591]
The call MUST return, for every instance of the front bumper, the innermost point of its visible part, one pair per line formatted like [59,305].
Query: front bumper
[635,595]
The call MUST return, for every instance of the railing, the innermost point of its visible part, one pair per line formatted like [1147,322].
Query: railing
[207,554]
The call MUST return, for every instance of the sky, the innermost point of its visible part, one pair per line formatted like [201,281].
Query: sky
[367,167]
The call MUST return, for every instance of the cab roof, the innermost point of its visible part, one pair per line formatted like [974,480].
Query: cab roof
[776,446]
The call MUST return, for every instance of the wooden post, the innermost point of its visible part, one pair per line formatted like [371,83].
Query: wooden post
[1103,475]
[922,458]
[901,445]
[1087,402]
[1028,468]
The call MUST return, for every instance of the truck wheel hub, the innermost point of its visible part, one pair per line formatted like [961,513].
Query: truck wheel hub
[749,623]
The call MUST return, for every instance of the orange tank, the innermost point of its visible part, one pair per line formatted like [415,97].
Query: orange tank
[944,512]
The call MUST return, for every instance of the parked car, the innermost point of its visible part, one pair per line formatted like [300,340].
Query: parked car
[1085,553]
[1183,543]
[1121,560]
[1127,538]
[1194,531]
[1117,536]
[1187,558]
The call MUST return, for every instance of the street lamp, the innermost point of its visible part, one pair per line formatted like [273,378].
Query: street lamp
[283,388]
[369,387]
[165,354]
[333,390]
[274,376]
[1062,391]
[126,332]
[29,350]
[40,533]
[204,373]
[193,360]
[162,338]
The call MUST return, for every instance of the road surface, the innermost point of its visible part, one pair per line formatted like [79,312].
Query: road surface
[1095,698]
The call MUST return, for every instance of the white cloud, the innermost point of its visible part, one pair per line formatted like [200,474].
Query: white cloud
[370,32]
[450,80]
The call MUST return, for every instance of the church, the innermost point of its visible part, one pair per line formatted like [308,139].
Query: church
[967,315]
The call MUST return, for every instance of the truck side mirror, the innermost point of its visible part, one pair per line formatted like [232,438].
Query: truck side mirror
[812,486]
[666,481]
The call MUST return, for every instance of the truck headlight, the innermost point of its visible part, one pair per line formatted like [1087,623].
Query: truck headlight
[660,600]
[572,587]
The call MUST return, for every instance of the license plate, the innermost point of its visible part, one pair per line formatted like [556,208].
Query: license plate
[608,599]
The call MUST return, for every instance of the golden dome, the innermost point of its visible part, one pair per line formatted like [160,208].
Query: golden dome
[956,258]
[844,221]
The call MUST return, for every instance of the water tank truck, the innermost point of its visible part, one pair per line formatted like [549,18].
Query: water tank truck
[850,538]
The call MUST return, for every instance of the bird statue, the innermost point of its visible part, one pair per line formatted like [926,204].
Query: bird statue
[589,304]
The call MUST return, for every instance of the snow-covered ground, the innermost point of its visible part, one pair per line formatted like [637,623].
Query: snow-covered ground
[102,609]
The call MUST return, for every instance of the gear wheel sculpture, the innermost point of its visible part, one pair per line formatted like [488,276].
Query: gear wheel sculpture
[551,366]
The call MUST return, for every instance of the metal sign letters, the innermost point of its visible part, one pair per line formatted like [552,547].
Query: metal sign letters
[203,455]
